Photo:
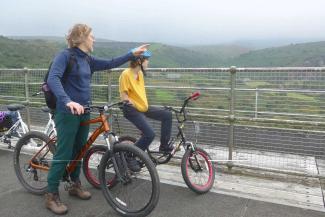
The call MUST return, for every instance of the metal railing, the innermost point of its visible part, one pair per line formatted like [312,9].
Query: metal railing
[267,118]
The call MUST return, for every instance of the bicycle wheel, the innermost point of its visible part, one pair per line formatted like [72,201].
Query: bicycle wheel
[135,193]
[198,170]
[92,159]
[33,148]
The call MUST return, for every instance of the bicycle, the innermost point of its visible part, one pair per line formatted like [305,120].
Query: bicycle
[17,129]
[121,187]
[20,128]
[50,129]
[50,126]
[195,161]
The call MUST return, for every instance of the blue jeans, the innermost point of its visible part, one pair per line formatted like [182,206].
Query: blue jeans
[148,134]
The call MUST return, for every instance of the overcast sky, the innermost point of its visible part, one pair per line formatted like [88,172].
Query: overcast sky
[168,21]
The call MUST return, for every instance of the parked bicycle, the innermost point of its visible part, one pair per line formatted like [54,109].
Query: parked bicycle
[12,125]
[50,126]
[198,170]
[50,129]
[129,193]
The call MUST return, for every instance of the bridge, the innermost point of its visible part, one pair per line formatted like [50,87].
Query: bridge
[264,127]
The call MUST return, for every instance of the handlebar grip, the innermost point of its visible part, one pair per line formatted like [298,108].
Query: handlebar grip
[36,94]
[195,96]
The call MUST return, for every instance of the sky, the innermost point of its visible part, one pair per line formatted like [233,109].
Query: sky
[168,21]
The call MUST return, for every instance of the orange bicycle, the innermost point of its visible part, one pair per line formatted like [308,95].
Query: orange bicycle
[129,193]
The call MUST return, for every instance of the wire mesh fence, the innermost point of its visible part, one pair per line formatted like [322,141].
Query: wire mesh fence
[277,123]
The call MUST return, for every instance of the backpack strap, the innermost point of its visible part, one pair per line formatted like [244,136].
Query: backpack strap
[72,60]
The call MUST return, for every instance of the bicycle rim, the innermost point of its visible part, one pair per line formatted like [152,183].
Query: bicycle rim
[92,159]
[91,165]
[198,170]
[32,178]
[135,193]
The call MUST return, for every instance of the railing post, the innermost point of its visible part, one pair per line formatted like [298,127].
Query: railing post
[109,95]
[256,102]
[26,72]
[109,87]
[231,118]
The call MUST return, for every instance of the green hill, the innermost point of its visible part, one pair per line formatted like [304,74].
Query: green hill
[222,52]
[37,53]
[294,55]
[23,53]
[19,52]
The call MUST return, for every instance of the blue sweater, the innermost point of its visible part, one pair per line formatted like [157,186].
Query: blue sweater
[76,87]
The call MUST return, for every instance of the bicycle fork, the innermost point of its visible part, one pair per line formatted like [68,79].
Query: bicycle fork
[118,160]
[191,146]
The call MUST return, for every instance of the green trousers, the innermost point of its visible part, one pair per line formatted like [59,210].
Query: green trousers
[70,139]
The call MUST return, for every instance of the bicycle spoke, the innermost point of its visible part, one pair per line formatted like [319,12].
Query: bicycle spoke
[32,159]
[134,192]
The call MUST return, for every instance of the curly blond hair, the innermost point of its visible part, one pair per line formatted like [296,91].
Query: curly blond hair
[78,34]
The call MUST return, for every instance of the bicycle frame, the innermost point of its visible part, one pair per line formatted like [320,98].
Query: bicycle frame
[19,123]
[181,117]
[103,128]
[50,126]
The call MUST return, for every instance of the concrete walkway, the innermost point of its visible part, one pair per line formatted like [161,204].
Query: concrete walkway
[233,198]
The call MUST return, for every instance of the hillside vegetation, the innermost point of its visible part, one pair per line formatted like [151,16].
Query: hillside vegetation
[37,53]
[306,54]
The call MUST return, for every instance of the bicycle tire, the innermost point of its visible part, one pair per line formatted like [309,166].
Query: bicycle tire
[189,166]
[32,179]
[91,162]
[128,204]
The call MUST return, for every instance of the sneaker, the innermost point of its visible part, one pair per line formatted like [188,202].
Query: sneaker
[166,150]
[53,203]
[133,164]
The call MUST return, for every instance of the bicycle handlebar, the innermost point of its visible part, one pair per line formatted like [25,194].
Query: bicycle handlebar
[194,96]
[37,93]
[104,107]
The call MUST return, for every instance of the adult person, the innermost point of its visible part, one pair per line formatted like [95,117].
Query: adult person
[132,90]
[73,93]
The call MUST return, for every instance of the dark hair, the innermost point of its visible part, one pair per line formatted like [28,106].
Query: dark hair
[135,63]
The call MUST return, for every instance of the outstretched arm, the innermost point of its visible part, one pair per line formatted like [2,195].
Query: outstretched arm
[98,64]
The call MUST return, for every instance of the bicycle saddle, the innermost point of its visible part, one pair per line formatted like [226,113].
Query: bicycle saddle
[15,107]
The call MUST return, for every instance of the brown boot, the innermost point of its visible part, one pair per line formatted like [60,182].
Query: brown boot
[53,203]
[76,190]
